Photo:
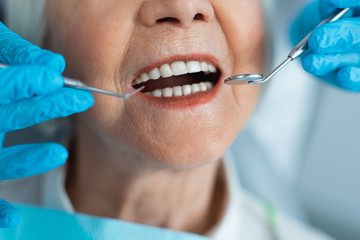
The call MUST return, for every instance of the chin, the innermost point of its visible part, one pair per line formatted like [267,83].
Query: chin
[195,151]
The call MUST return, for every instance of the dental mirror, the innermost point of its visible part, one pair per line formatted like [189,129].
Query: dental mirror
[298,50]
[244,79]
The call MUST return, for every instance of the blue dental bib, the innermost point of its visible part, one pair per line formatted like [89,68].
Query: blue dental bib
[44,224]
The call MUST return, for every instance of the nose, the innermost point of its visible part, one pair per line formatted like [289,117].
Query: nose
[182,13]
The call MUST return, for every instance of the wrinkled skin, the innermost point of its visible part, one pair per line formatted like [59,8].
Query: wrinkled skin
[125,148]
[106,42]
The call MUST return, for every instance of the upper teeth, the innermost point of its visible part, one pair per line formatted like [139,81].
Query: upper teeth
[175,69]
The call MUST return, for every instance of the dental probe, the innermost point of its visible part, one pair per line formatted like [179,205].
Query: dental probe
[72,83]
[294,54]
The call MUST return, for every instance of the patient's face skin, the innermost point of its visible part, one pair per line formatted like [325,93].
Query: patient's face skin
[107,43]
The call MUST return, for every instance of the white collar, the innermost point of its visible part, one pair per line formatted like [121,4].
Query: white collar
[54,192]
[230,225]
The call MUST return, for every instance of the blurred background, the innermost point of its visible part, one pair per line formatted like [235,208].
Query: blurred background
[301,148]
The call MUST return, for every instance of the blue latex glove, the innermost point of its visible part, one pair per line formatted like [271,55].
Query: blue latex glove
[31,92]
[334,48]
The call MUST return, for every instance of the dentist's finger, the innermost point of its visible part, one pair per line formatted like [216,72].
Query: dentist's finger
[61,103]
[14,50]
[31,159]
[9,215]
[342,3]
[21,82]
[349,78]
[337,37]
[327,7]
[322,64]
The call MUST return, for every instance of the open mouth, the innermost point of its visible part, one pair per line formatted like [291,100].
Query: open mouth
[178,78]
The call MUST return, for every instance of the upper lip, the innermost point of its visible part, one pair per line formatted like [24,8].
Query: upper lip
[188,57]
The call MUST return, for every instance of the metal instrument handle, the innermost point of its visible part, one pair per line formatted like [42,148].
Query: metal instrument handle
[72,83]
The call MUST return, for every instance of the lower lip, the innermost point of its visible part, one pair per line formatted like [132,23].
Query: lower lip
[185,102]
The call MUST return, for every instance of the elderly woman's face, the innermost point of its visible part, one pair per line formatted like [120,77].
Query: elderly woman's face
[111,43]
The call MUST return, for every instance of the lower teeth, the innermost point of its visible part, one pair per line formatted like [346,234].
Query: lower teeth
[179,91]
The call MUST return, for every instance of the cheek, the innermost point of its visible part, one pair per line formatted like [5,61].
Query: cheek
[94,49]
[243,25]
[95,41]
[246,98]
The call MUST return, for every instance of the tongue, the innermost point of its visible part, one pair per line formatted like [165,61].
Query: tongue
[170,82]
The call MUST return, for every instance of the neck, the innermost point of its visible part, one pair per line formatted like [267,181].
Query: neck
[105,182]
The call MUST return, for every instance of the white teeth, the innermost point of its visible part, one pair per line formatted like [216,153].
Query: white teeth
[175,69]
[138,80]
[195,88]
[203,87]
[155,74]
[212,68]
[209,85]
[179,68]
[144,77]
[193,66]
[167,92]
[186,90]
[179,91]
[204,66]
[165,71]
[157,93]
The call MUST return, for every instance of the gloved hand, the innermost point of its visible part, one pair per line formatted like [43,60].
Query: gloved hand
[31,91]
[334,48]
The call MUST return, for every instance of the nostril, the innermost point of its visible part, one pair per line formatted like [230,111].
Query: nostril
[199,16]
[167,19]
